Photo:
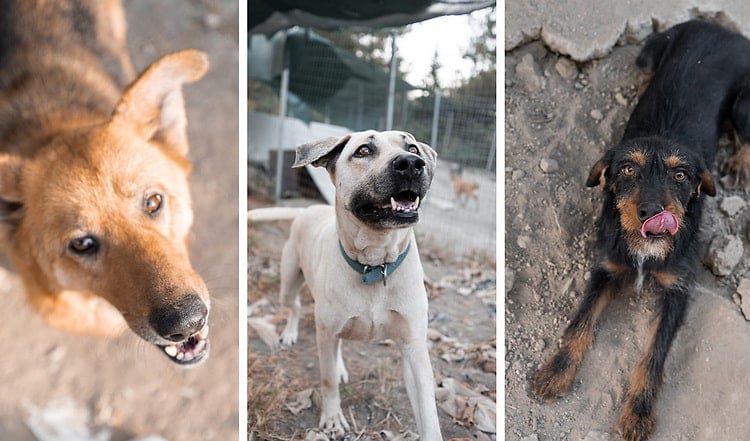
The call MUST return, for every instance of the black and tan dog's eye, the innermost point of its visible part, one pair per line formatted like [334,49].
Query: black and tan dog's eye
[84,246]
[362,151]
[413,149]
[679,176]
[628,170]
[152,204]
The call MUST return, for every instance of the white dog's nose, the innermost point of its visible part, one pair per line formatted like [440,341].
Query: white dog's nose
[408,164]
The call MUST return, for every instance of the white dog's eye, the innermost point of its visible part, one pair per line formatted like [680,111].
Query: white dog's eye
[362,151]
[413,149]
[152,204]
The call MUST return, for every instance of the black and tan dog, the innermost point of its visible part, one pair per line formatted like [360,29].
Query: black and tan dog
[654,183]
[95,208]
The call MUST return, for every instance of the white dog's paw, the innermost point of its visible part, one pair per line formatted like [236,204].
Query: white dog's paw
[289,335]
[334,424]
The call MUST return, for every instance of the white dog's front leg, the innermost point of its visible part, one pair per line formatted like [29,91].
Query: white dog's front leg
[420,386]
[331,416]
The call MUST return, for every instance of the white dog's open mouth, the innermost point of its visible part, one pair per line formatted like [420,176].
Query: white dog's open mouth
[404,204]
[190,351]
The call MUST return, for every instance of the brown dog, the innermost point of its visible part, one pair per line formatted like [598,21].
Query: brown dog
[94,201]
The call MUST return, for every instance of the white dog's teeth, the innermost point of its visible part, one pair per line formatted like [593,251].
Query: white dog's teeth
[181,356]
[416,203]
[200,346]
[394,205]
[171,350]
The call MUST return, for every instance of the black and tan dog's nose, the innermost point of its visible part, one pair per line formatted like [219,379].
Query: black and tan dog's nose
[649,209]
[408,164]
[178,321]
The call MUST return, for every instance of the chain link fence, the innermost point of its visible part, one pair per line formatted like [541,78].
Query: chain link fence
[331,91]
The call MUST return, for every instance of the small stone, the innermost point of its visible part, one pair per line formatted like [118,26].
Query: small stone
[510,279]
[529,74]
[517,174]
[731,205]
[597,114]
[621,100]
[532,437]
[549,165]
[212,21]
[724,254]
[523,241]
[596,435]
[743,293]
[566,68]
[539,345]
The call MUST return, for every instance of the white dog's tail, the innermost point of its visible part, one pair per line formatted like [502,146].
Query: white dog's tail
[272,214]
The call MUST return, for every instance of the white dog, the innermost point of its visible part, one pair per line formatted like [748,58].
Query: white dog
[361,263]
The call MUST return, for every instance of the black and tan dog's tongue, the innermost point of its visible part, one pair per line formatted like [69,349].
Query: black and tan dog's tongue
[664,222]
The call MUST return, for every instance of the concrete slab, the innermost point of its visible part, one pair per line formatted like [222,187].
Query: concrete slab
[586,29]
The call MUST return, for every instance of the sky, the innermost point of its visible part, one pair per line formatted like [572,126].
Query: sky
[451,36]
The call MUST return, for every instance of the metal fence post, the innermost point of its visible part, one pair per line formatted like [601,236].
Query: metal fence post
[391,85]
[282,117]
[435,118]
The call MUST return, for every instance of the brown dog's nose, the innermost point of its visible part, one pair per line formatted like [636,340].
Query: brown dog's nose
[408,164]
[180,320]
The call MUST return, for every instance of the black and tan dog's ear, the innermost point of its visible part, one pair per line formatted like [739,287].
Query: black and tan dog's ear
[596,175]
[153,103]
[707,183]
[11,194]
[320,153]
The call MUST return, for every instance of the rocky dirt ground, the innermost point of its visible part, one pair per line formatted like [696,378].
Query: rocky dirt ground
[67,387]
[561,116]
[283,401]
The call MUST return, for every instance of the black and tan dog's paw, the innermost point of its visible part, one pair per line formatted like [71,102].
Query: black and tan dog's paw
[553,379]
[637,419]
[737,167]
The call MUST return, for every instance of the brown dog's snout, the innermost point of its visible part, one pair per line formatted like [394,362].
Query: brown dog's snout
[177,322]
[408,165]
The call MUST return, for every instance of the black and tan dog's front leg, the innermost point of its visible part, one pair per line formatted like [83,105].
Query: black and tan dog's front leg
[555,377]
[638,418]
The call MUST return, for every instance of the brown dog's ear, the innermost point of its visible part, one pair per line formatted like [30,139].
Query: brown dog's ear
[11,195]
[596,175]
[706,184]
[153,103]
[320,152]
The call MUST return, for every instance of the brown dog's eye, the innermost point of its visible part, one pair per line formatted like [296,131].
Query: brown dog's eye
[679,176]
[84,246]
[628,170]
[152,204]
[412,149]
[362,151]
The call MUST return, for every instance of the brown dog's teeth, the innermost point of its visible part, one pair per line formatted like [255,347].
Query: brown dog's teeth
[171,350]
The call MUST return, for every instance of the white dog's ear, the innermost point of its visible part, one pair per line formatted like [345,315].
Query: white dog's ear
[319,153]
[429,152]
[153,103]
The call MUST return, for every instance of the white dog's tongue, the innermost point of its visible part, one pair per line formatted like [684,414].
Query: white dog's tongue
[660,223]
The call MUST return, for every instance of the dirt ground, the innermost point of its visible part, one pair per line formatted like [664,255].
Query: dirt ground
[570,113]
[462,323]
[88,388]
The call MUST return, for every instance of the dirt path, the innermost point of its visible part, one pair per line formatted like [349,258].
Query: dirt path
[462,311]
[124,386]
[550,221]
